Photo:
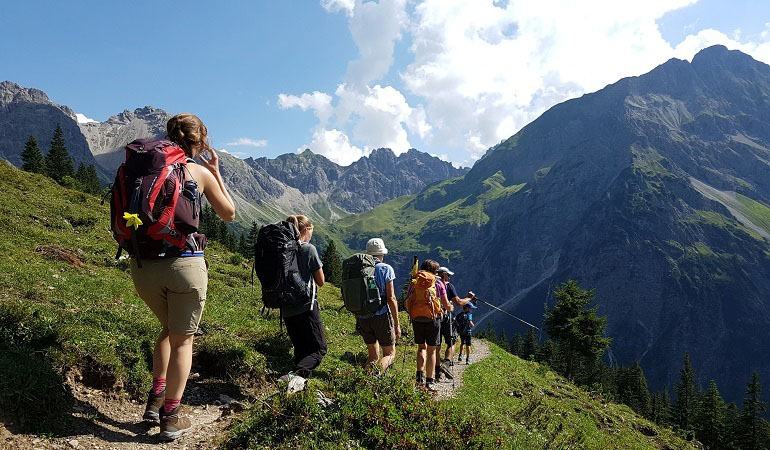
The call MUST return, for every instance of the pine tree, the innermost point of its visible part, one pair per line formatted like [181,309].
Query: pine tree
[251,239]
[91,181]
[515,344]
[750,423]
[638,394]
[332,264]
[686,397]
[710,425]
[661,407]
[502,340]
[243,247]
[578,330]
[209,223]
[80,176]
[548,354]
[58,163]
[32,157]
[530,347]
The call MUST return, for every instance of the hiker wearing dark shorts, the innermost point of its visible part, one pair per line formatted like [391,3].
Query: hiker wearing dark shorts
[448,333]
[303,322]
[381,329]
[173,282]
[426,325]
[464,322]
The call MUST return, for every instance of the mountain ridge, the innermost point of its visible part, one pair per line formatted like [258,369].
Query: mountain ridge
[600,189]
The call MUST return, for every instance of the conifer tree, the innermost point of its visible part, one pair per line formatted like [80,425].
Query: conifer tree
[332,264]
[58,163]
[91,183]
[710,425]
[515,344]
[661,407]
[687,393]
[243,248]
[752,430]
[577,329]
[251,238]
[547,354]
[32,158]
[530,347]
[638,393]
[209,223]
[502,340]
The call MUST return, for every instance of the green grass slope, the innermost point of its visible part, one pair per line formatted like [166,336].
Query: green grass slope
[62,321]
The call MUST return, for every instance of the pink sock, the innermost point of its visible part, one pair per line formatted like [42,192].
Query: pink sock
[158,385]
[169,405]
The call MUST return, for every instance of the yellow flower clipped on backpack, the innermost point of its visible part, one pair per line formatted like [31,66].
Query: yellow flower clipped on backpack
[132,220]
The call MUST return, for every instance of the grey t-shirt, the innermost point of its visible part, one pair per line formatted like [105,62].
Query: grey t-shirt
[308,262]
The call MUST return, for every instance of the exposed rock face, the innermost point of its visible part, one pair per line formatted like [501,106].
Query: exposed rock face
[107,139]
[263,189]
[29,112]
[654,191]
[366,183]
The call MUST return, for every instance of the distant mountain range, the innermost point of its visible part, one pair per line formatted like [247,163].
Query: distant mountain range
[653,190]
[264,189]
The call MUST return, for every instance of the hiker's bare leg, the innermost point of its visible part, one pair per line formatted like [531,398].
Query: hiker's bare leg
[431,362]
[179,364]
[421,349]
[460,352]
[467,350]
[388,356]
[449,352]
[374,353]
[160,355]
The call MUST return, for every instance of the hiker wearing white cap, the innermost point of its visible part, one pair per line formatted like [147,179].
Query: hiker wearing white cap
[381,329]
[448,331]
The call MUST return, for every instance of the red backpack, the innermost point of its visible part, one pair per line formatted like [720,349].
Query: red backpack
[149,217]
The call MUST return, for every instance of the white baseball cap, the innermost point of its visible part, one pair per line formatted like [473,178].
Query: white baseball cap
[375,246]
[444,269]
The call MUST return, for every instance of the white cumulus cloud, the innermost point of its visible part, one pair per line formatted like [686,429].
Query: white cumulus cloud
[248,142]
[335,145]
[480,70]
[339,5]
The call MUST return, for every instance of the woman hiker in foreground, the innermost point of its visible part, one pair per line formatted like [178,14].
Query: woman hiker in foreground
[167,264]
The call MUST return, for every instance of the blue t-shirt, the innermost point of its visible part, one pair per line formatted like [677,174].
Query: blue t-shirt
[383,274]
[450,291]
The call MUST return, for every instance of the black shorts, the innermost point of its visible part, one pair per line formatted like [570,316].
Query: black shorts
[465,339]
[427,332]
[447,333]
[377,329]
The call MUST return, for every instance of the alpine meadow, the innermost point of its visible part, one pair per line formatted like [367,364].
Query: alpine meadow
[385,224]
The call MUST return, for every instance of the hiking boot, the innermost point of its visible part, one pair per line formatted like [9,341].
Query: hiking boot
[467,360]
[460,358]
[294,383]
[154,405]
[431,388]
[173,425]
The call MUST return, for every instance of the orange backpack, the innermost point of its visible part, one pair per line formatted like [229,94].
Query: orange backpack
[422,298]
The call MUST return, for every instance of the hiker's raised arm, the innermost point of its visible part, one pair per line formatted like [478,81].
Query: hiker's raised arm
[214,188]
[216,193]
[318,276]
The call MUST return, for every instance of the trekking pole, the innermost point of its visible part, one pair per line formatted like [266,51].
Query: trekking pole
[506,312]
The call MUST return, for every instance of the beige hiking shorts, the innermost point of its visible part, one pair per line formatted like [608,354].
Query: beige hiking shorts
[174,289]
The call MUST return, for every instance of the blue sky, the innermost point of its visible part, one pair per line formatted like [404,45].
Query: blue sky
[448,77]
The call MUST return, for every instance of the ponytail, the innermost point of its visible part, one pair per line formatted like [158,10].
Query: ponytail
[301,222]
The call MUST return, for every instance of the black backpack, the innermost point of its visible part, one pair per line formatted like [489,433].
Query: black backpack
[462,325]
[275,263]
[360,293]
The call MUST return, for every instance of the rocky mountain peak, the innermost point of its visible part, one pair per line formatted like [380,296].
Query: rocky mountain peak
[12,92]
